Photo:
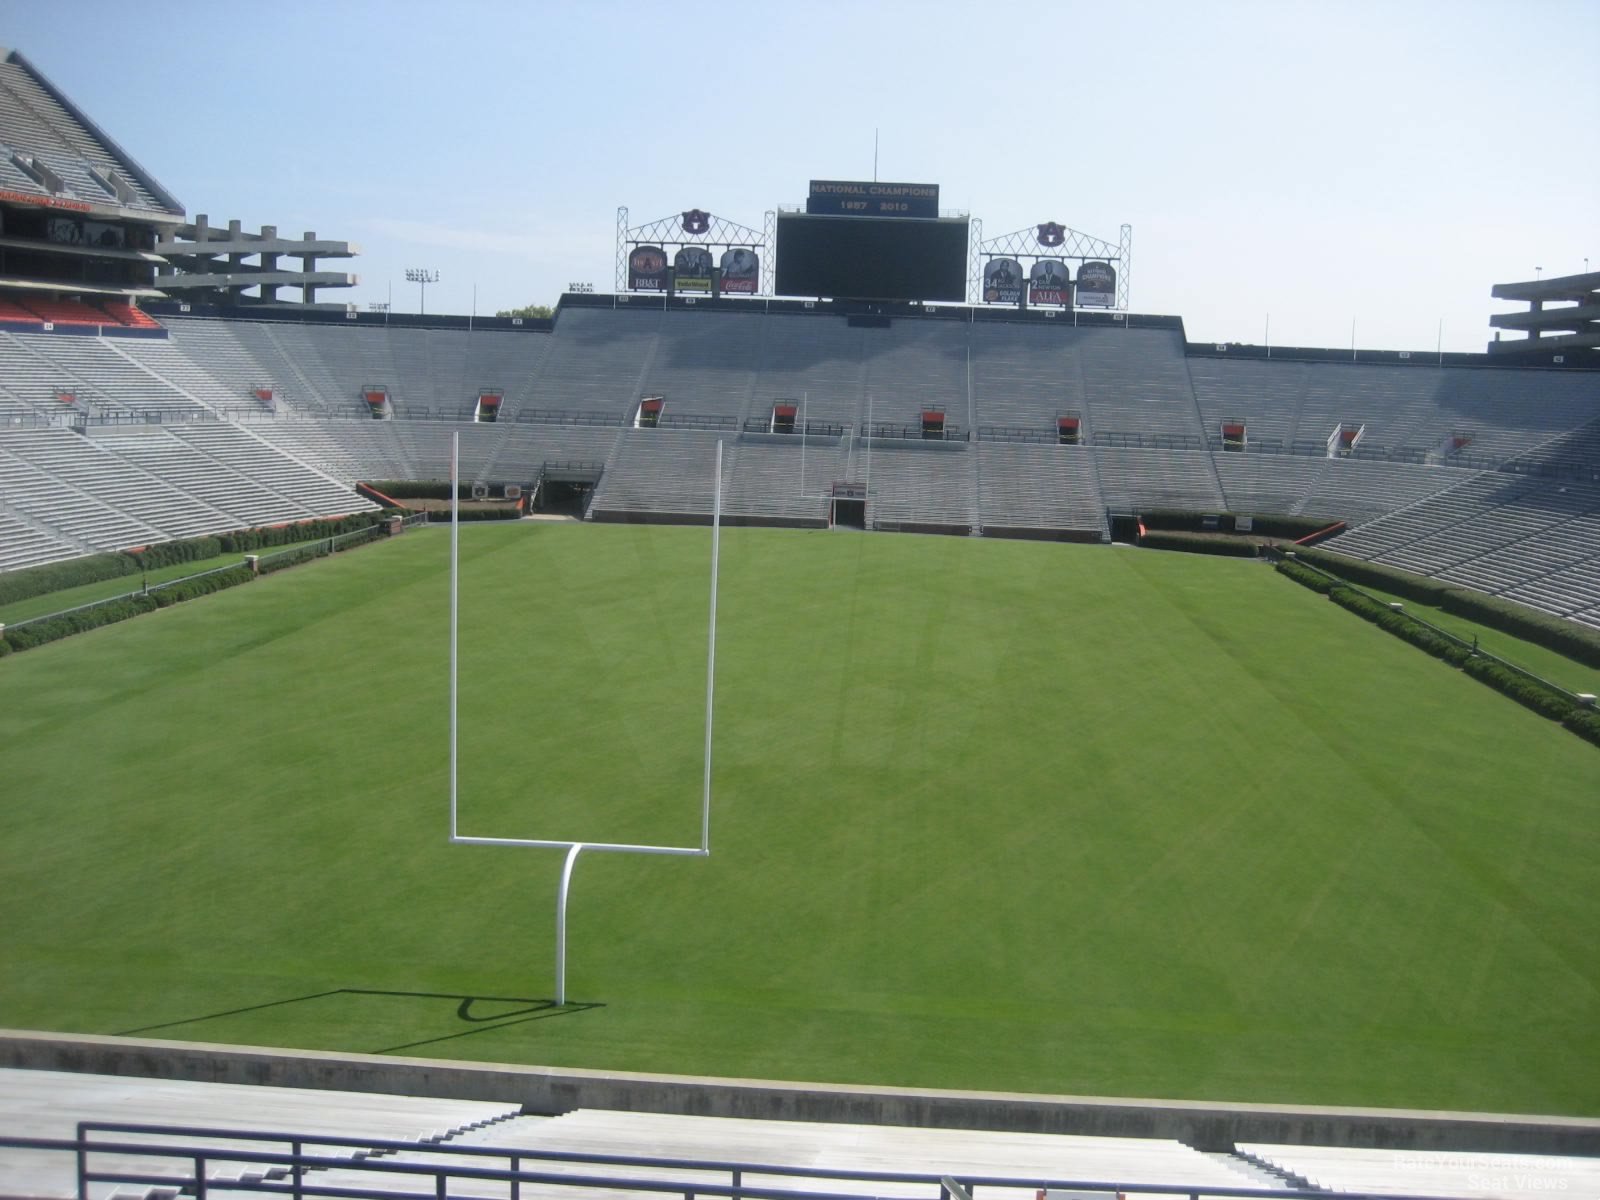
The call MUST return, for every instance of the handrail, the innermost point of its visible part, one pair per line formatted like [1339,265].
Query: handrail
[446,1162]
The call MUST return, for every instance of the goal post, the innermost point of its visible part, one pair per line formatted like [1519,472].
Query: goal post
[575,848]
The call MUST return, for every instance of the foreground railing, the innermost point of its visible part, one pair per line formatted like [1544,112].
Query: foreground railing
[197,1167]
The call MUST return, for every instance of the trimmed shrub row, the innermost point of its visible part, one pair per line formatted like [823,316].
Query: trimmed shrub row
[1564,637]
[1400,583]
[1199,543]
[1520,688]
[1400,625]
[1584,722]
[246,540]
[37,633]
[498,513]
[1305,576]
[28,582]
[56,577]
[1546,701]
[201,585]
[50,629]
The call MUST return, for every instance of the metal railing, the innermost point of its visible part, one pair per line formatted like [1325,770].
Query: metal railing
[197,1166]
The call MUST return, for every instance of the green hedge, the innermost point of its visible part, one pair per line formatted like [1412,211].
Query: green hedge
[1400,625]
[1388,579]
[166,554]
[246,540]
[1564,637]
[292,558]
[1199,543]
[477,514]
[1544,700]
[29,582]
[50,629]
[1524,691]
[1584,722]
[56,577]
[1306,577]
[201,585]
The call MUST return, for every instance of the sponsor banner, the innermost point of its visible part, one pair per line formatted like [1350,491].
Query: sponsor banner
[741,271]
[846,198]
[1049,282]
[692,269]
[647,269]
[1002,281]
[1097,285]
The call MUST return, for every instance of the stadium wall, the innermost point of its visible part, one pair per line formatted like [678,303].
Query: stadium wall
[1203,1125]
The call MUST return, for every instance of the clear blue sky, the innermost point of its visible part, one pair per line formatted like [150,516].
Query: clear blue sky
[1311,161]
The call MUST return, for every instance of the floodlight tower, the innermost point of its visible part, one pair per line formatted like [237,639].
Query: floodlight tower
[423,277]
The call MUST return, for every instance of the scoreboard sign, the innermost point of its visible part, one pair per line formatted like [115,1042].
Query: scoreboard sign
[845,198]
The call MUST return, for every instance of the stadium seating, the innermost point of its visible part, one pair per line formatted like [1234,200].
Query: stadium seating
[64,312]
[1041,487]
[772,477]
[1431,1172]
[1457,472]
[48,1104]
[920,485]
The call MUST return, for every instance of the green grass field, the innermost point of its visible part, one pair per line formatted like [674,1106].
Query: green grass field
[987,815]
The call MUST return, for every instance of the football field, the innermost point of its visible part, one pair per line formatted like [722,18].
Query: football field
[986,815]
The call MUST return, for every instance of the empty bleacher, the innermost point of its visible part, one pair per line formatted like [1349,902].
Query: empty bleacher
[1134,479]
[919,485]
[777,478]
[49,1104]
[660,473]
[1043,487]
[1024,376]
[1450,477]
[597,361]
[68,510]
[820,360]
[1136,385]
[706,363]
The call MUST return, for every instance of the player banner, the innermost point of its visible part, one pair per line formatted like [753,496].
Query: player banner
[1049,282]
[1002,281]
[647,269]
[741,271]
[1097,285]
[692,269]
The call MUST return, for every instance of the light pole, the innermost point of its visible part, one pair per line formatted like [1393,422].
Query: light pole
[423,277]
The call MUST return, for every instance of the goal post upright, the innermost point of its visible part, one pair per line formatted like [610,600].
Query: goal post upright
[574,848]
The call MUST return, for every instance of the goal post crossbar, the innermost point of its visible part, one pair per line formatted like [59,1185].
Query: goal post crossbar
[574,848]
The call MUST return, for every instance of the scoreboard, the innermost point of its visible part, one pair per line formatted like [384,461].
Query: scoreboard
[871,258]
[872,241]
